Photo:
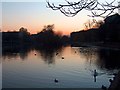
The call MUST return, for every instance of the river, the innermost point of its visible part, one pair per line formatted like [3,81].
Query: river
[72,67]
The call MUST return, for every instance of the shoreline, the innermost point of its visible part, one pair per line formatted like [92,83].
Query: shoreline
[109,45]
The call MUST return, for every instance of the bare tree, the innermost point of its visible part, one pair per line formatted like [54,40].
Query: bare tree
[93,24]
[97,9]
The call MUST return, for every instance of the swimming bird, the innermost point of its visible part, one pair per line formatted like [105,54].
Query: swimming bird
[56,53]
[56,80]
[95,74]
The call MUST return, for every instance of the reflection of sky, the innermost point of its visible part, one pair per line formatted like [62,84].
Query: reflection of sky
[34,15]
[73,71]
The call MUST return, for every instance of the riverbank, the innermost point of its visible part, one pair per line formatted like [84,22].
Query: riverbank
[107,45]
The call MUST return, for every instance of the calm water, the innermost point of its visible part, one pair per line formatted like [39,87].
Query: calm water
[72,66]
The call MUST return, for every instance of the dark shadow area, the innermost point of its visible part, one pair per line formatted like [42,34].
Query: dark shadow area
[107,35]
[48,53]
[109,59]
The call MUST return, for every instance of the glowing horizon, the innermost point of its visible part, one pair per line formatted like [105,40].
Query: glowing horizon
[34,15]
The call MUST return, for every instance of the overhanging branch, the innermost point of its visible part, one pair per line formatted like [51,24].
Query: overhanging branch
[96,8]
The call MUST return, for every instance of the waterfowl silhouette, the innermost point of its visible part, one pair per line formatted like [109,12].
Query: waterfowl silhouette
[56,80]
[95,73]
[56,53]
[62,57]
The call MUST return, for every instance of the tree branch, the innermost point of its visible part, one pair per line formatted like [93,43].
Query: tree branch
[96,8]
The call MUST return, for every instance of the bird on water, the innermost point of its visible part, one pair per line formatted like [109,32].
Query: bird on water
[56,80]
[62,57]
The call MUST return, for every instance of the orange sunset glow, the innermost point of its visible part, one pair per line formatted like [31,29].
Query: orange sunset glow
[35,15]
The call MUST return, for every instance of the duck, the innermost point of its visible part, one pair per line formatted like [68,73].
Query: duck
[56,53]
[62,57]
[56,80]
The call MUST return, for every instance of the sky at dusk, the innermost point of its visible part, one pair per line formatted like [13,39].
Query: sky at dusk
[34,15]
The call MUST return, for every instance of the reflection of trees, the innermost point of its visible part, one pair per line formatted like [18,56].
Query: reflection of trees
[24,53]
[109,59]
[48,53]
[16,51]
[103,58]
[89,53]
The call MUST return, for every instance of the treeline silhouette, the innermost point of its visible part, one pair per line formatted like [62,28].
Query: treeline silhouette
[108,34]
[47,38]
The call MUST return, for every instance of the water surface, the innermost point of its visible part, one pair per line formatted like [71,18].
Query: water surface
[72,66]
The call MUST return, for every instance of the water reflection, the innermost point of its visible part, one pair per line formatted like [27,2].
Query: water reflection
[16,51]
[109,59]
[48,53]
[87,66]
[91,54]
[103,58]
